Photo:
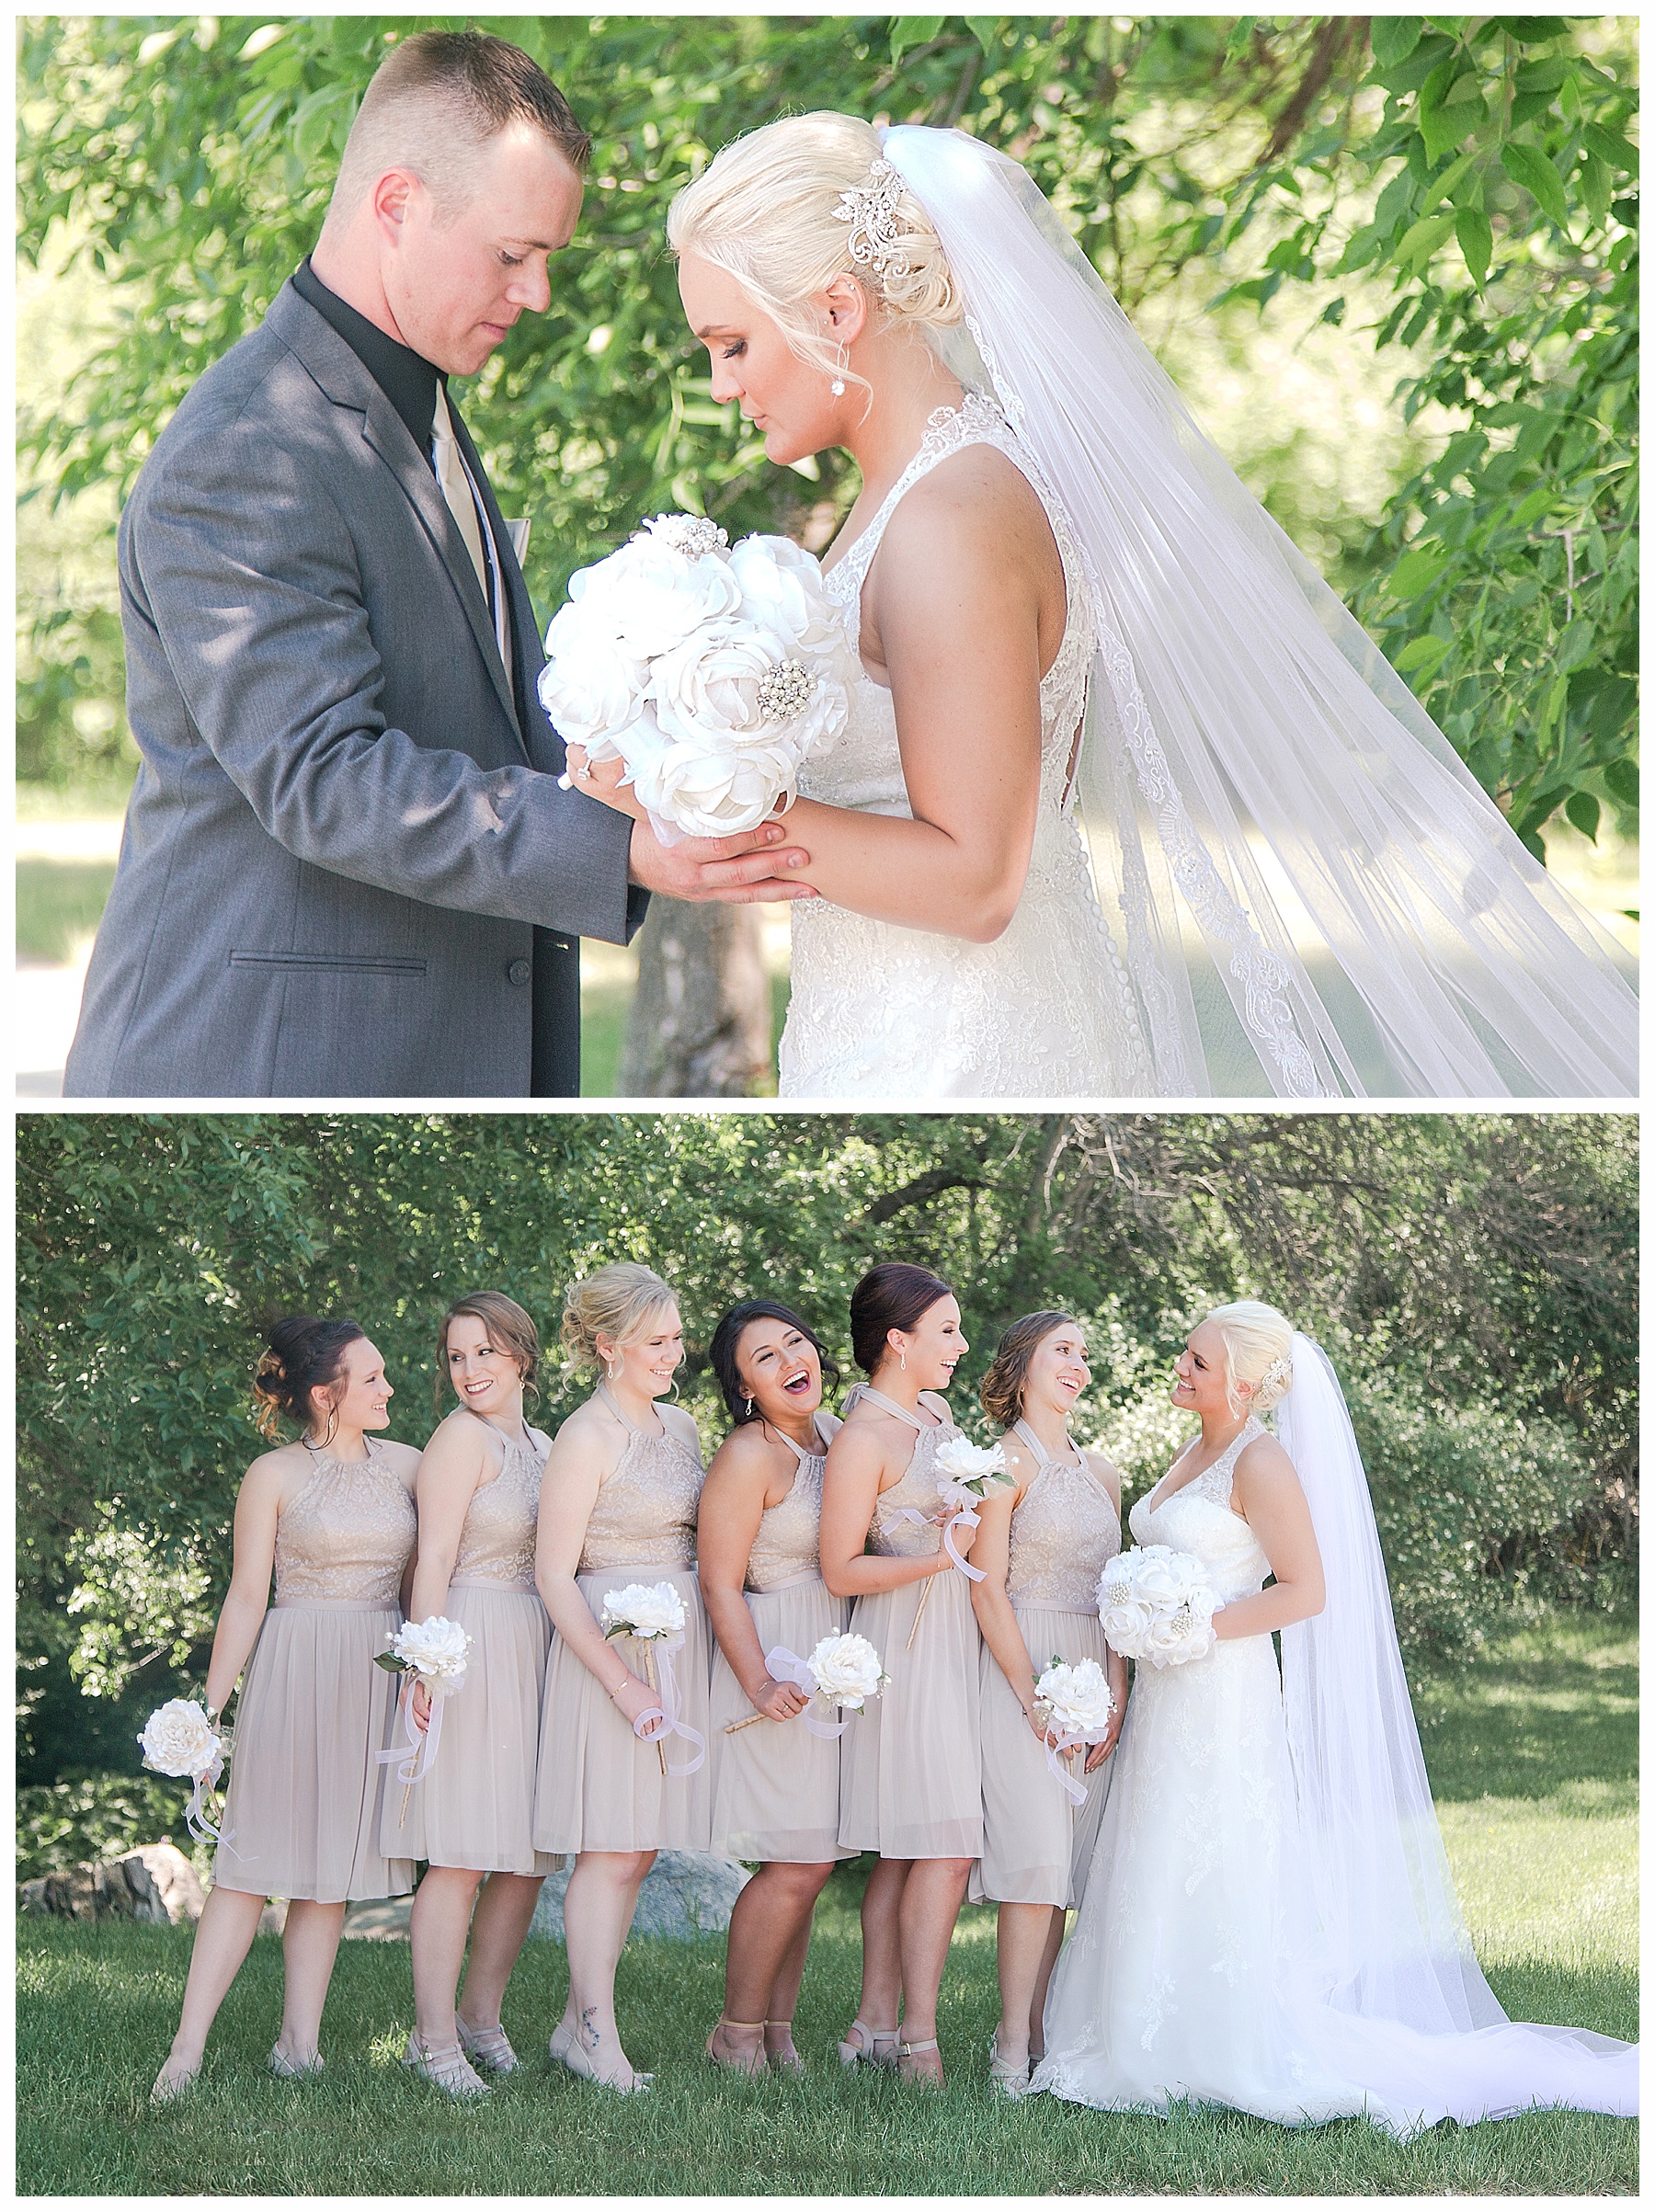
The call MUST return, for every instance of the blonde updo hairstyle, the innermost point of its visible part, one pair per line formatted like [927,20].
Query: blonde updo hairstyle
[618,1302]
[766,210]
[1257,1349]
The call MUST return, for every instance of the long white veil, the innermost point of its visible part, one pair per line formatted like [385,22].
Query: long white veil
[1316,896]
[1401,2004]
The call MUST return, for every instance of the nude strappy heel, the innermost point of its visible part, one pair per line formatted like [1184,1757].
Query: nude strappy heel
[490,2043]
[915,2050]
[446,2067]
[1007,2078]
[567,2052]
[752,2062]
[788,2059]
[858,2045]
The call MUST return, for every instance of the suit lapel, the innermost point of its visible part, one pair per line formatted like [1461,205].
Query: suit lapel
[525,625]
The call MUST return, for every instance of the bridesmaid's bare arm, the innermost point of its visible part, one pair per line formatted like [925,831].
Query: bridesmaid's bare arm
[855,1474]
[452,1465]
[1268,1491]
[1114,1666]
[585,1449]
[992,1553]
[271,1480]
[732,1500]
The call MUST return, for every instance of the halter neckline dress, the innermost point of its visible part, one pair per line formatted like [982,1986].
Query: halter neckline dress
[302,1809]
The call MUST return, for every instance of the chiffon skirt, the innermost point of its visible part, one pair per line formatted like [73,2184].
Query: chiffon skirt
[1037,1846]
[910,1767]
[474,1807]
[775,1785]
[600,1787]
[303,1812]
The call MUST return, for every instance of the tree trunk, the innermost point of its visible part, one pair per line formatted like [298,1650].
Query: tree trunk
[700,1024]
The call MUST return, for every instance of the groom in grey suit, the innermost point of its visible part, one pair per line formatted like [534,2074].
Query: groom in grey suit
[348,869]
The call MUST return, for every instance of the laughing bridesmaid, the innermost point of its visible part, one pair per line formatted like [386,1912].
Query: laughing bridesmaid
[619,1507]
[332,1516]
[912,1775]
[479,1495]
[1041,1549]
[776,1784]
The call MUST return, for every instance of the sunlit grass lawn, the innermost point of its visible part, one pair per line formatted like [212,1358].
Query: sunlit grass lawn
[1533,1760]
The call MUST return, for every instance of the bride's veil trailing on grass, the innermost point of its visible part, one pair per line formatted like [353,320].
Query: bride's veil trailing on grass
[1315,895]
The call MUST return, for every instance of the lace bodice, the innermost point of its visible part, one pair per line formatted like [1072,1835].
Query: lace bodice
[1198,1518]
[1046,1007]
[496,1542]
[348,1535]
[1064,1530]
[645,1511]
[892,1532]
[789,1541]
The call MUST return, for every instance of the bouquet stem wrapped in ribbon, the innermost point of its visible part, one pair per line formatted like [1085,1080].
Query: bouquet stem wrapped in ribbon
[180,1739]
[1078,1703]
[1157,1606]
[843,1670]
[653,1613]
[436,1650]
[713,672]
[967,1474]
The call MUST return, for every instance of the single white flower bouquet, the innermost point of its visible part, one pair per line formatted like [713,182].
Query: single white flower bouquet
[1157,1606]
[653,1613]
[182,1740]
[712,671]
[841,1671]
[967,1474]
[1077,1702]
[435,1652]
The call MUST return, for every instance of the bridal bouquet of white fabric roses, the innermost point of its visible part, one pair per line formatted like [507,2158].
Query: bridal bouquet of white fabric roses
[435,1650]
[1075,1700]
[712,671]
[1157,1606]
[181,1741]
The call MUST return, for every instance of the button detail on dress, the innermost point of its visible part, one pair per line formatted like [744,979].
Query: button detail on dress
[518,971]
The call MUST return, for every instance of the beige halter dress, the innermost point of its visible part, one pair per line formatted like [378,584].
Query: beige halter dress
[474,1807]
[910,1772]
[302,1813]
[600,1788]
[775,1785]
[1036,1846]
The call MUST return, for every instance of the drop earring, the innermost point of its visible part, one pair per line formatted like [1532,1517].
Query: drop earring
[750,1408]
[902,1359]
[838,385]
[613,1370]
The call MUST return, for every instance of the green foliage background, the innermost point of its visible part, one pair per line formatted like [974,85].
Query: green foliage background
[1472,1275]
[1466,180]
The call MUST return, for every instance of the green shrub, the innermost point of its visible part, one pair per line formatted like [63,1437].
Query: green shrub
[99,1817]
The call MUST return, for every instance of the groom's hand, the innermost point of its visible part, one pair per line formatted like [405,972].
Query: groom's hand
[762,864]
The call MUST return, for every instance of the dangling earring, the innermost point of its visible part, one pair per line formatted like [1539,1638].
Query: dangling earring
[333,1423]
[613,1368]
[750,1408]
[837,386]
[675,1390]
[902,1359]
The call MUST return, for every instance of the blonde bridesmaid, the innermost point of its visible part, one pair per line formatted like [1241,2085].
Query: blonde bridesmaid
[776,1786]
[910,1771]
[470,1817]
[1040,1549]
[618,1507]
[332,1516]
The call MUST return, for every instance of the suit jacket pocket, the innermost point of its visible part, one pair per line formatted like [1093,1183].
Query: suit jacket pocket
[329,964]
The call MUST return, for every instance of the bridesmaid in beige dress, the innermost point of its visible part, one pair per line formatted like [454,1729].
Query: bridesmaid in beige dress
[618,1507]
[1041,1549]
[775,1783]
[470,1817]
[333,1515]
[910,1771]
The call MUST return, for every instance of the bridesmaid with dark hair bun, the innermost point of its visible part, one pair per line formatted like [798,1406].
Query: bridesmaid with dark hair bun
[332,1516]
[910,1770]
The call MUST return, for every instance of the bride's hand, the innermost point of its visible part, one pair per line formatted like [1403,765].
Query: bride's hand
[1100,1751]
[604,779]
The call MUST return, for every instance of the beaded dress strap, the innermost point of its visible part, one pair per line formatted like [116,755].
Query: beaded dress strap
[1045,1459]
[509,1444]
[941,440]
[630,1426]
[799,1451]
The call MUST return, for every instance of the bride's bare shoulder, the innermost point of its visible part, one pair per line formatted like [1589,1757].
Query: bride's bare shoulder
[973,514]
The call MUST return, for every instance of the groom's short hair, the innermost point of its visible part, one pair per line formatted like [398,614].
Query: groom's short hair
[434,102]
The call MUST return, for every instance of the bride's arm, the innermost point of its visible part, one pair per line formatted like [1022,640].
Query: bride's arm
[1269,1494]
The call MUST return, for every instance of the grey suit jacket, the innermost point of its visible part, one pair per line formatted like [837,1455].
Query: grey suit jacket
[347,870]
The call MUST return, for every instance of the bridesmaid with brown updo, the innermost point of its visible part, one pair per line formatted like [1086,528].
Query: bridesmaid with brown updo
[331,1515]
[470,1817]
[618,1507]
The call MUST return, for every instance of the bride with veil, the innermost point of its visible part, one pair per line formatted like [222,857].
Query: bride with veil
[1127,803]
[1269,1921]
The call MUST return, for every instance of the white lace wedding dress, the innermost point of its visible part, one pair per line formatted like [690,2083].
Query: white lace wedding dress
[1195,1969]
[878,1011]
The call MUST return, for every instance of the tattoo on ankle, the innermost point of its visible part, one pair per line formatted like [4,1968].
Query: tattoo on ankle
[589,2034]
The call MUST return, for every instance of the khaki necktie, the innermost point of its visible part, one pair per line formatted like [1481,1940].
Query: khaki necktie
[457,489]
